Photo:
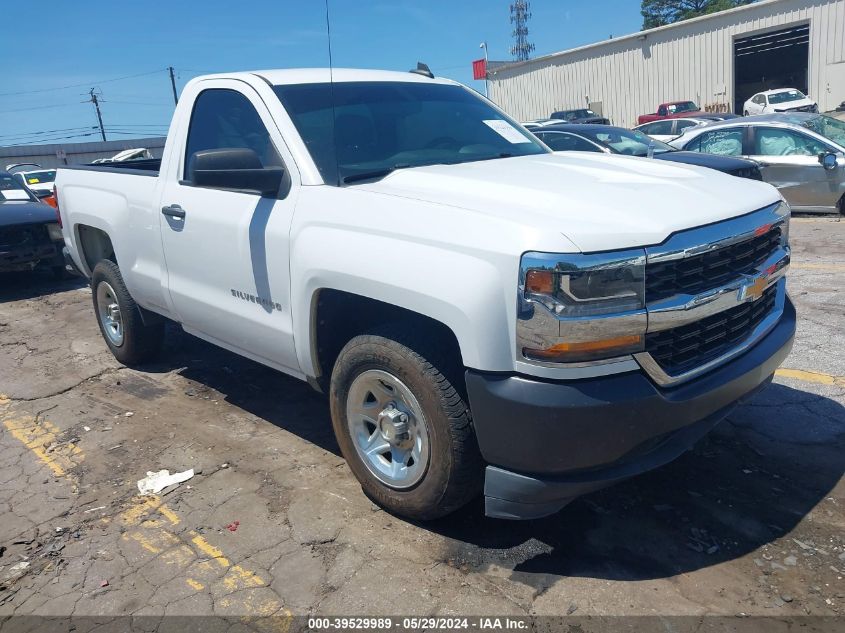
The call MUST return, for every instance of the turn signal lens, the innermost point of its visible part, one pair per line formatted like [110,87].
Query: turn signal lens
[571,352]
[539,281]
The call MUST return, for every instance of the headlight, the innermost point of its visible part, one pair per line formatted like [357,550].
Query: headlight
[591,306]
[785,212]
[54,231]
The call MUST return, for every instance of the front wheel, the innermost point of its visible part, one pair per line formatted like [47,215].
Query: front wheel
[130,340]
[402,426]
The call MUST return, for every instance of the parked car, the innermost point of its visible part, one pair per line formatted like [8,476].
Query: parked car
[39,182]
[667,129]
[802,154]
[617,140]
[540,123]
[484,314]
[579,115]
[780,100]
[671,110]
[30,235]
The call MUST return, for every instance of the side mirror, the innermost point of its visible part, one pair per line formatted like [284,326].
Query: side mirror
[234,168]
[828,160]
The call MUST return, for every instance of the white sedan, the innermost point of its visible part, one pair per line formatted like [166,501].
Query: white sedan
[780,100]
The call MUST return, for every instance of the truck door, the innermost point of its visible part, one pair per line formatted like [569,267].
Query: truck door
[227,249]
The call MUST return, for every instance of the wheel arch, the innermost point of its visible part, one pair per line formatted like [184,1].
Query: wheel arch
[336,316]
[95,245]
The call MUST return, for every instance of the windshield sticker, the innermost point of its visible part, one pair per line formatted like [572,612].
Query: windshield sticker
[506,131]
[14,194]
[33,181]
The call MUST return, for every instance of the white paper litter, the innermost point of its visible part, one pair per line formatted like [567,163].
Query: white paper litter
[156,482]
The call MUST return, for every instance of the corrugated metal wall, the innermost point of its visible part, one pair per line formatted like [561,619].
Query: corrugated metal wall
[76,153]
[690,60]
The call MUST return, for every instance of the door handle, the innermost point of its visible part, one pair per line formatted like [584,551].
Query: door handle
[173,211]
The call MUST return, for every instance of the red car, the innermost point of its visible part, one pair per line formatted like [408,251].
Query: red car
[671,110]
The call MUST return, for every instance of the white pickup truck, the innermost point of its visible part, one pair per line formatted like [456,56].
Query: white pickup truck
[483,313]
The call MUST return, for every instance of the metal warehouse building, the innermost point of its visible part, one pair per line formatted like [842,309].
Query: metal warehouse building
[718,61]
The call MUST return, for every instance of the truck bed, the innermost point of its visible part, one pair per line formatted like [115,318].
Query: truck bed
[146,167]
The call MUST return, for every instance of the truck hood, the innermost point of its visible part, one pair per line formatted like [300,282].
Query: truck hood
[598,201]
[14,212]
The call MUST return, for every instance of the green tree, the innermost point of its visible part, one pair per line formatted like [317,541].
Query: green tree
[662,12]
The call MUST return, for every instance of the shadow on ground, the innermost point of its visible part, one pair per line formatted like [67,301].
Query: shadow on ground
[30,285]
[740,488]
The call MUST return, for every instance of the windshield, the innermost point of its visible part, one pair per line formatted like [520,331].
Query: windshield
[787,95]
[381,126]
[683,106]
[630,142]
[830,128]
[571,115]
[37,177]
[12,189]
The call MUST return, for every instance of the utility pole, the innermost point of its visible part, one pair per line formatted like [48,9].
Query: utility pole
[173,84]
[99,115]
[486,70]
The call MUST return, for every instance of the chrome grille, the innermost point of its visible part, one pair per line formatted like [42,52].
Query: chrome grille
[679,349]
[693,275]
[26,235]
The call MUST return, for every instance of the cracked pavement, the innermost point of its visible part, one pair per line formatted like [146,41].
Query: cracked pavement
[749,522]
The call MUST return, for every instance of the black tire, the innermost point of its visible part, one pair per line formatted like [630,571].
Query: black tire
[141,342]
[454,473]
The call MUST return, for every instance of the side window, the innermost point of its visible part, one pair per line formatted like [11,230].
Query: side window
[663,128]
[682,125]
[562,142]
[727,142]
[225,119]
[661,110]
[779,142]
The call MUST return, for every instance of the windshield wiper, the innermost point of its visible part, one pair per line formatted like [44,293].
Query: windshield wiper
[375,173]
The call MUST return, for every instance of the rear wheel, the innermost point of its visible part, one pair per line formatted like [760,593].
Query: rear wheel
[130,340]
[403,427]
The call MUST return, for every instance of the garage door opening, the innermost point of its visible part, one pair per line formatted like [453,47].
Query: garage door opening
[777,59]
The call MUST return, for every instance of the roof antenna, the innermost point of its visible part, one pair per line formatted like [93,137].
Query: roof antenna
[421,69]
[331,93]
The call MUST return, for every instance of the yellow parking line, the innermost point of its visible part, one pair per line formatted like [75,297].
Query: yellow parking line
[811,376]
[41,437]
[151,533]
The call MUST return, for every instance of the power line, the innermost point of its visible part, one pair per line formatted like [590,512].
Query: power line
[50,140]
[87,83]
[44,107]
[41,133]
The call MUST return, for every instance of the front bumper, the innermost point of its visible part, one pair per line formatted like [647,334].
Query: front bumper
[22,258]
[549,442]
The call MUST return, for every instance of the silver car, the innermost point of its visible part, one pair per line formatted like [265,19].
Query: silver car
[802,154]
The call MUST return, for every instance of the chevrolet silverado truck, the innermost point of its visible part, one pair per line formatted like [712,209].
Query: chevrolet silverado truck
[482,313]
[671,110]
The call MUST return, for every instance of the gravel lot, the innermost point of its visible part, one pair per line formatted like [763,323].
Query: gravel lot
[273,523]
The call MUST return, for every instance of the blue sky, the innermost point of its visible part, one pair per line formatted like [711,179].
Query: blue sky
[88,42]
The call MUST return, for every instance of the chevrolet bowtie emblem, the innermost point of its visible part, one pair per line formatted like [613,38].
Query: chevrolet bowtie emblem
[753,290]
